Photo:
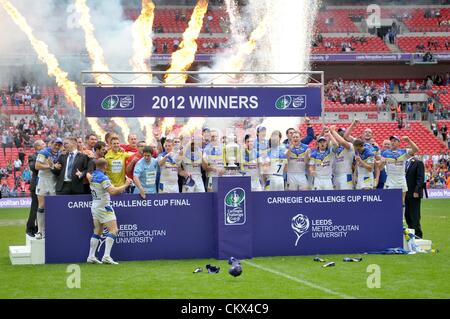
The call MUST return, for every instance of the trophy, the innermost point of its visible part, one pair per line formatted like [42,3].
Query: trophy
[231,155]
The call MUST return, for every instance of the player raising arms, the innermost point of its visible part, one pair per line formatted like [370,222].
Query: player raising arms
[395,161]
[298,158]
[275,163]
[213,159]
[365,162]
[191,162]
[321,162]
[368,139]
[343,160]
[102,212]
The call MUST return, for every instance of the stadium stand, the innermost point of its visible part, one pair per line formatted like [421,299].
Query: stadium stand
[175,20]
[205,45]
[424,43]
[421,135]
[350,44]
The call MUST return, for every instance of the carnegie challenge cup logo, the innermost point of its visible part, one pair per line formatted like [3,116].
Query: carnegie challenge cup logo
[300,226]
[291,102]
[118,102]
[235,210]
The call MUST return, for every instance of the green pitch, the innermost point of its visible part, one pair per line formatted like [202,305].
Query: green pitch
[402,276]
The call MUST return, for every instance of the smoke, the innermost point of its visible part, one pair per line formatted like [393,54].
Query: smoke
[56,23]
[282,46]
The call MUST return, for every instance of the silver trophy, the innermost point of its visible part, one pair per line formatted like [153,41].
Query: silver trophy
[231,155]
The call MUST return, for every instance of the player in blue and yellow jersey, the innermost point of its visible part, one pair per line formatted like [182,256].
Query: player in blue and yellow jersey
[213,159]
[261,143]
[169,166]
[250,163]
[102,212]
[274,164]
[368,138]
[394,160]
[343,161]
[298,159]
[321,163]
[365,162]
[46,161]
[191,161]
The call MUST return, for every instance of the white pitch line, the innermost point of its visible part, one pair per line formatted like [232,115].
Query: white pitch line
[12,222]
[301,281]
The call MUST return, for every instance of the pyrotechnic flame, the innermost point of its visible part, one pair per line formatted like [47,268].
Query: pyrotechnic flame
[193,124]
[146,124]
[93,122]
[53,69]
[123,125]
[167,125]
[94,49]
[142,41]
[183,58]
[95,52]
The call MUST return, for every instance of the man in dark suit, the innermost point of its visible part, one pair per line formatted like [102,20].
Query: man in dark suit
[70,169]
[415,172]
[31,223]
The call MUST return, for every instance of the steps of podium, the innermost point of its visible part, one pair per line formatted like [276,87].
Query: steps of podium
[33,253]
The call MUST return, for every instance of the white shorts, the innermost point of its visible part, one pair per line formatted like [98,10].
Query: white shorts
[103,216]
[197,188]
[344,181]
[323,184]
[274,183]
[168,188]
[396,182]
[297,181]
[45,187]
[256,185]
[365,182]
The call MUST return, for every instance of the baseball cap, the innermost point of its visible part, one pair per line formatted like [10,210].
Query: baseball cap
[394,137]
[321,138]
[58,140]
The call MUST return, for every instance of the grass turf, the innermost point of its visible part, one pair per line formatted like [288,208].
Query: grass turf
[402,276]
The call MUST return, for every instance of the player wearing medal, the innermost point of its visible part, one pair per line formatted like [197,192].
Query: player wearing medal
[394,160]
[298,157]
[250,163]
[213,159]
[191,162]
[168,162]
[103,214]
[365,162]
[274,164]
[343,161]
[46,161]
[368,139]
[321,161]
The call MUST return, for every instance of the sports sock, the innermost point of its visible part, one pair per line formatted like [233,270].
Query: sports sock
[41,220]
[109,243]
[95,239]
